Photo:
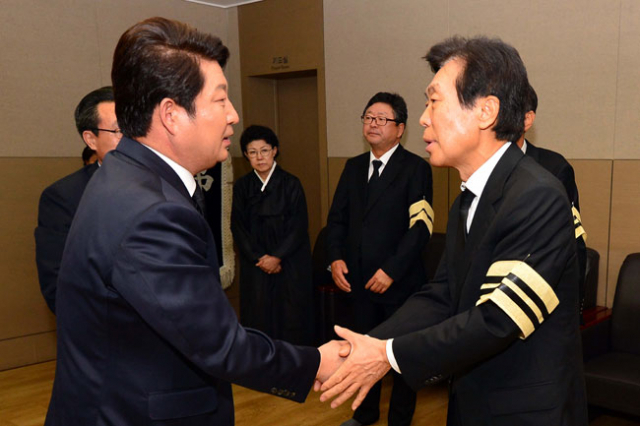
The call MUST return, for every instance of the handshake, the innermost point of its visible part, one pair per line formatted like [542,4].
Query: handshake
[351,365]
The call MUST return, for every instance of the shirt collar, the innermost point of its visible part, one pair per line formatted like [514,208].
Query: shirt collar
[266,181]
[524,146]
[478,180]
[185,175]
[384,157]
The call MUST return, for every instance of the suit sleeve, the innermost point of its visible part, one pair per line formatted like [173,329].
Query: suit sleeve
[568,179]
[297,222]
[161,270]
[534,247]
[338,219]
[54,220]
[420,214]
[239,225]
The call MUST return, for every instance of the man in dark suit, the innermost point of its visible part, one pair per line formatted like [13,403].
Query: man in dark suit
[145,332]
[500,316]
[96,122]
[558,166]
[380,220]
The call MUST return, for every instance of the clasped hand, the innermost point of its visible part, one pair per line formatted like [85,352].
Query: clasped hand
[269,264]
[366,363]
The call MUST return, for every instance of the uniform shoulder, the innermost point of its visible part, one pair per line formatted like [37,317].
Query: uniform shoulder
[532,177]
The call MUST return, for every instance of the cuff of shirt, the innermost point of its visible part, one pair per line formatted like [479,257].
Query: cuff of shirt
[391,357]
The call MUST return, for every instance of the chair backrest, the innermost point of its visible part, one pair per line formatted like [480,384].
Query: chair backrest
[591,278]
[625,317]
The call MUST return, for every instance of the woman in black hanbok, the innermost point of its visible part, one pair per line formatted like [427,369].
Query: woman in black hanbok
[269,224]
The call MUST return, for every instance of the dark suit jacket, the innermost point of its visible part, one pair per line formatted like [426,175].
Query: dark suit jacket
[58,204]
[375,233]
[500,315]
[558,166]
[145,332]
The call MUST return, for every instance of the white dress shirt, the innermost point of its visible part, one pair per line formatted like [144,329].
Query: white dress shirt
[185,175]
[384,158]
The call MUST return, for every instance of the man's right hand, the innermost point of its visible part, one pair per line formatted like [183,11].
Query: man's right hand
[338,269]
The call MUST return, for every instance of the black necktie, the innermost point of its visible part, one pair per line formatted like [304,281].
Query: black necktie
[376,171]
[466,198]
[198,199]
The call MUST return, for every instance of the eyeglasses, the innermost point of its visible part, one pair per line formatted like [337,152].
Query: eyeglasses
[380,121]
[116,132]
[263,152]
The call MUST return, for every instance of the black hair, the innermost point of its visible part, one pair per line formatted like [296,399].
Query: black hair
[86,113]
[256,133]
[155,59]
[395,101]
[491,67]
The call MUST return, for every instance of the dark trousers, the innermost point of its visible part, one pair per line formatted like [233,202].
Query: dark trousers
[367,315]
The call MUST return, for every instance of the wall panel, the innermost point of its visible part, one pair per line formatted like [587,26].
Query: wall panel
[593,178]
[625,205]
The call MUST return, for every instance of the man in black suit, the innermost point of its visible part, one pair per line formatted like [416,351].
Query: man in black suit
[145,332]
[558,166]
[380,220]
[500,316]
[96,122]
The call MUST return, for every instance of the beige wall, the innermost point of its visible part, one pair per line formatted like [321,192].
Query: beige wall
[583,58]
[53,53]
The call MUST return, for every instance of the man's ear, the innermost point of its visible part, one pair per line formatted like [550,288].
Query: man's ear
[401,129]
[169,114]
[90,139]
[488,110]
[529,118]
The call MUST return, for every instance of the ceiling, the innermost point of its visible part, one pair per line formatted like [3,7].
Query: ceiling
[223,3]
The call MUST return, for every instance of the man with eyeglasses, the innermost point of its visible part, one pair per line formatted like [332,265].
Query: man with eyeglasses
[379,223]
[96,122]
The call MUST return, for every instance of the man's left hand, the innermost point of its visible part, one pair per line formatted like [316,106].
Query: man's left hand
[379,282]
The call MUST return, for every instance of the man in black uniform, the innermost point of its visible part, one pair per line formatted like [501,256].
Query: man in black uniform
[500,316]
[380,220]
[558,166]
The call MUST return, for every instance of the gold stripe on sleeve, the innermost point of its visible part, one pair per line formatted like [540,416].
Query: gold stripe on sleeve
[577,222]
[520,290]
[421,211]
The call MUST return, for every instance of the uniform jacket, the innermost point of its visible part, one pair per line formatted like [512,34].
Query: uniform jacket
[145,333]
[375,232]
[58,205]
[558,166]
[500,316]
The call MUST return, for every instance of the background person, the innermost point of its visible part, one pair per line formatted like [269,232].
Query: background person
[270,227]
[379,223]
[96,122]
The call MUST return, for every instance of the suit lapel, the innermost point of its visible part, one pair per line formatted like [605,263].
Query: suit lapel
[388,175]
[485,214]
[151,161]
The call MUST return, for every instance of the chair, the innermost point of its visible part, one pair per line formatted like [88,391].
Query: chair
[591,279]
[612,348]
